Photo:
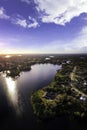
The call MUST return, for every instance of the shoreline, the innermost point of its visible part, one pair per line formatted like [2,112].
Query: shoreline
[59,98]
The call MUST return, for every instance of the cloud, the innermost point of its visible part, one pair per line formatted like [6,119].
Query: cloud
[80,43]
[60,11]
[21,22]
[33,23]
[18,19]
[3,14]
[77,45]
[85,18]
[25,23]
[26,1]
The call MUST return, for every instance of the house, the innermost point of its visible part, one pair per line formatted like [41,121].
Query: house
[68,61]
[47,58]
[85,83]
[51,56]
[82,98]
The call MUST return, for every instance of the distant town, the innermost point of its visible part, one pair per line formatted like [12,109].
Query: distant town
[13,65]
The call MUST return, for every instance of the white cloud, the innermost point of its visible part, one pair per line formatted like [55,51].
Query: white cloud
[26,1]
[85,18]
[26,23]
[60,11]
[81,41]
[33,23]
[77,45]
[3,15]
[21,22]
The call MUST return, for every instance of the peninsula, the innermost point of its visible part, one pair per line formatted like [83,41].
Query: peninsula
[66,95]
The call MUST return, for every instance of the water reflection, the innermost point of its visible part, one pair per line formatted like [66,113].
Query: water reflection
[12,90]
[12,93]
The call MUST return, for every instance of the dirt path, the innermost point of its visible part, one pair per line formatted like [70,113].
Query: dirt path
[72,75]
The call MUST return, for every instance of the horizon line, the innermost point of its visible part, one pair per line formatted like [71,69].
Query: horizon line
[40,53]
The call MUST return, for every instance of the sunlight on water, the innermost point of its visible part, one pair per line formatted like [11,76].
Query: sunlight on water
[12,93]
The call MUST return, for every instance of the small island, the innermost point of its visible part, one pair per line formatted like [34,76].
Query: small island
[66,95]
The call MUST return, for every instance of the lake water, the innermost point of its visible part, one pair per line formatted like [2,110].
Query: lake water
[15,107]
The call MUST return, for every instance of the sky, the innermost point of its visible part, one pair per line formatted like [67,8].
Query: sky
[43,26]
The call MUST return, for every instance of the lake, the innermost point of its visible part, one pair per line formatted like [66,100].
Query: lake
[15,106]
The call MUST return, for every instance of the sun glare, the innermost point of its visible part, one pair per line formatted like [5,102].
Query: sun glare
[11,88]
[7,56]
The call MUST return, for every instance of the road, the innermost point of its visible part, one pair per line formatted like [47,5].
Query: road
[72,76]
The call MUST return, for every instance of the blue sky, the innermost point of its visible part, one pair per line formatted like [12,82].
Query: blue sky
[43,26]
